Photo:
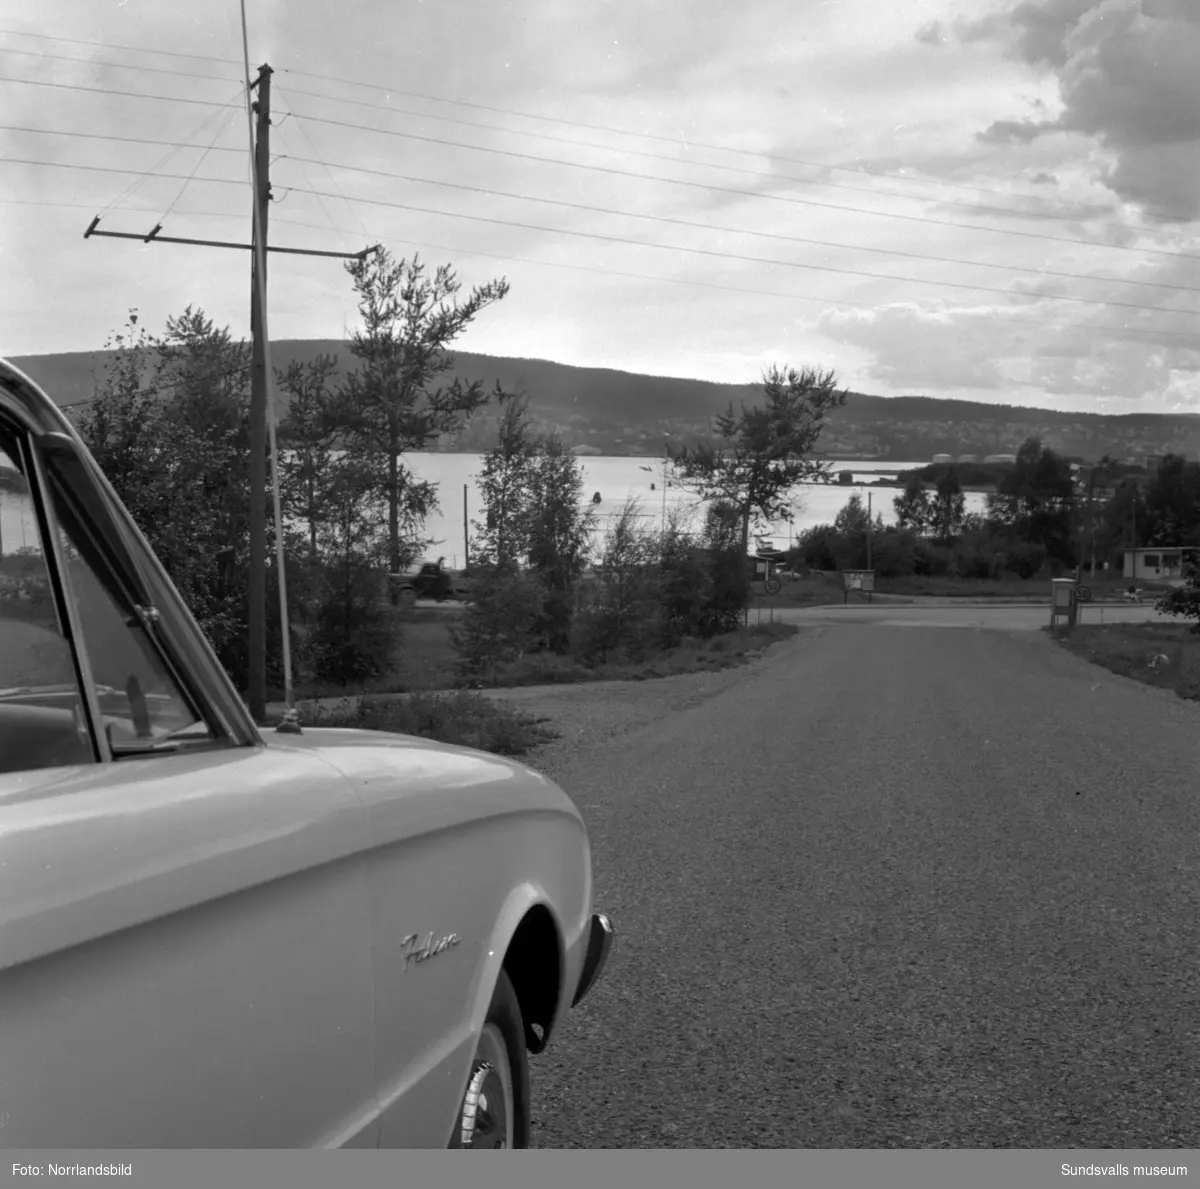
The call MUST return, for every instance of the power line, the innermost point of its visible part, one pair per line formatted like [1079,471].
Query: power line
[622,240]
[762,173]
[32,82]
[127,49]
[527,115]
[1150,334]
[609,211]
[710,189]
[118,65]
[748,259]
[580,206]
[176,177]
[387,90]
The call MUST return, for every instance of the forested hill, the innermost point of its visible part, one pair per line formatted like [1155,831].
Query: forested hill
[600,410]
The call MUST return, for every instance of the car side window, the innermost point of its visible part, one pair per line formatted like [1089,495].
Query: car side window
[143,709]
[42,721]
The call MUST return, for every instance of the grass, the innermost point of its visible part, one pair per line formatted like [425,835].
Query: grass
[947,586]
[428,661]
[1165,655]
[436,710]
[462,718]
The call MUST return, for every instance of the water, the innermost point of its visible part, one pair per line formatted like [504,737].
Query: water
[615,478]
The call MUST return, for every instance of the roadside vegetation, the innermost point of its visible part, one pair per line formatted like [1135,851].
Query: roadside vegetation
[1044,517]
[170,426]
[1166,655]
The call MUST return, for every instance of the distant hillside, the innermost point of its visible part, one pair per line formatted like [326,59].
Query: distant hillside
[617,412]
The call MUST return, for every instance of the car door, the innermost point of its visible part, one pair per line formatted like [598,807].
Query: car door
[185,957]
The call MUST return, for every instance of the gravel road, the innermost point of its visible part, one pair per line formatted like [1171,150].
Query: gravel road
[886,887]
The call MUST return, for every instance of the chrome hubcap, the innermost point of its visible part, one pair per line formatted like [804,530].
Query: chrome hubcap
[486,1117]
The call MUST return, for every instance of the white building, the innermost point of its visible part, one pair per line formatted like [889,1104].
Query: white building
[1158,562]
[943,458]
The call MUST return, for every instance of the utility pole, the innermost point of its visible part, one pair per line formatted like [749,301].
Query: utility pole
[869,495]
[466,540]
[259,389]
[257,618]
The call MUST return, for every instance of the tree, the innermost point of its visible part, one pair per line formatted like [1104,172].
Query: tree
[912,506]
[723,545]
[170,428]
[559,526]
[307,444]
[766,448]
[850,528]
[1173,503]
[505,484]
[1185,600]
[1036,501]
[625,616]
[949,506]
[393,401]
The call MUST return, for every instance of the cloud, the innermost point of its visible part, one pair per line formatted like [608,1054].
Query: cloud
[1127,78]
[931,34]
[1014,131]
[1042,178]
[915,348]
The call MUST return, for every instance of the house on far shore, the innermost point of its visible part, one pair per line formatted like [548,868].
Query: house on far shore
[943,458]
[1000,458]
[1159,562]
[584,448]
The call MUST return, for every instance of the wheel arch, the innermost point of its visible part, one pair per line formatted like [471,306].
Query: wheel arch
[534,963]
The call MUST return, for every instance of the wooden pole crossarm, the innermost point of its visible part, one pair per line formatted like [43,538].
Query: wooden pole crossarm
[213,243]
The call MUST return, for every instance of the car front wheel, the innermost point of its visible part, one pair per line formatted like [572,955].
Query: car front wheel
[494,1112]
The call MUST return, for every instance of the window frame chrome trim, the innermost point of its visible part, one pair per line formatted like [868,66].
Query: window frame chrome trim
[47,522]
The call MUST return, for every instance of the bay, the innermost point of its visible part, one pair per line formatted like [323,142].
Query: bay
[618,478]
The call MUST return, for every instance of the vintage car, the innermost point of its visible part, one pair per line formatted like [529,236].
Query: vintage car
[212,936]
[429,580]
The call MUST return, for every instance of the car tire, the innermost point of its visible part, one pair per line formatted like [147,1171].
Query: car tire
[494,1111]
[408,598]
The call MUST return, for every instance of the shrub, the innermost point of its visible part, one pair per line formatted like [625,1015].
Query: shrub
[932,561]
[500,622]
[894,554]
[356,632]
[1184,601]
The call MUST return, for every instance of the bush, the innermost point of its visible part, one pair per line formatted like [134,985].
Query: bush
[932,561]
[1184,601]
[894,554]
[462,718]
[1024,558]
[356,632]
[500,623]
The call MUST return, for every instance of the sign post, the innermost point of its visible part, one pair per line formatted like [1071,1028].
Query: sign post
[858,580]
[1063,602]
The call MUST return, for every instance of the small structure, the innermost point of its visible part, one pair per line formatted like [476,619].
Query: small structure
[968,458]
[999,458]
[845,477]
[860,580]
[943,458]
[1159,561]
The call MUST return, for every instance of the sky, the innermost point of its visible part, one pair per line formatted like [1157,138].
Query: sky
[979,199]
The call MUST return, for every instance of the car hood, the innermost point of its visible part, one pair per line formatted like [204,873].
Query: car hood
[433,785]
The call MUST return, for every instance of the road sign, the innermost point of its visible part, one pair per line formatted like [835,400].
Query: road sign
[772,586]
[1083,594]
